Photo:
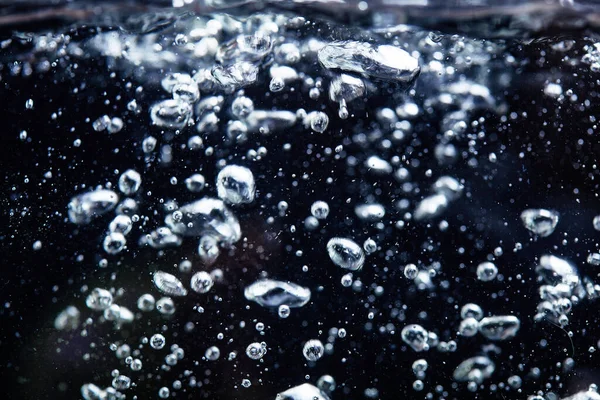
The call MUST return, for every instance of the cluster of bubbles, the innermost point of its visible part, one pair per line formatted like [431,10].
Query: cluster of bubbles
[215,66]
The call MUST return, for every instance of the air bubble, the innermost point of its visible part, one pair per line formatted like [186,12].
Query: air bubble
[345,253]
[235,185]
[130,182]
[256,351]
[319,209]
[283,311]
[168,284]
[157,341]
[201,282]
[487,271]
[313,350]
[212,353]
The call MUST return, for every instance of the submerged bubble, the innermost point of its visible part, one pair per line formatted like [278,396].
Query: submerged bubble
[195,183]
[474,369]
[326,383]
[346,280]
[121,224]
[313,350]
[121,382]
[186,92]
[165,306]
[487,271]
[84,207]
[318,121]
[283,311]
[242,106]
[596,222]
[418,385]
[213,353]
[130,182]
[378,165]
[235,185]
[168,284]
[589,394]
[237,131]
[411,271]
[208,249]
[319,209]
[157,341]
[106,123]
[431,207]
[68,319]
[416,337]
[306,391]
[164,392]
[162,238]
[370,246]
[514,381]
[468,327]
[419,366]
[172,79]
[171,113]
[235,76]
[272,293]
[369,212]
[149,144]
[280,75]
[256,351]
[209,105]
[99,299]
[206,217]
[471,310]
[146,302]
[201,282]
[557,270]
[114,243]
[377,61]
[276,85]
[540,221]
[89,391]
[593,259]
[499,327]
[345,253]
[251,47]
[345,88]
[270,121]
[449,187]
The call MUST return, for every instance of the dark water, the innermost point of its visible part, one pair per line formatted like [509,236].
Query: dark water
[519,143]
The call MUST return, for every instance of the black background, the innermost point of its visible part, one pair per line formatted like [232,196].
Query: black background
[555,172]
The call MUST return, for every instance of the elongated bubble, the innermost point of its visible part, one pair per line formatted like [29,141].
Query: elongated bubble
[346,253]
[168,284]
[84,207]
[377,61]
[474,369]
[499,327]
[272,293]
